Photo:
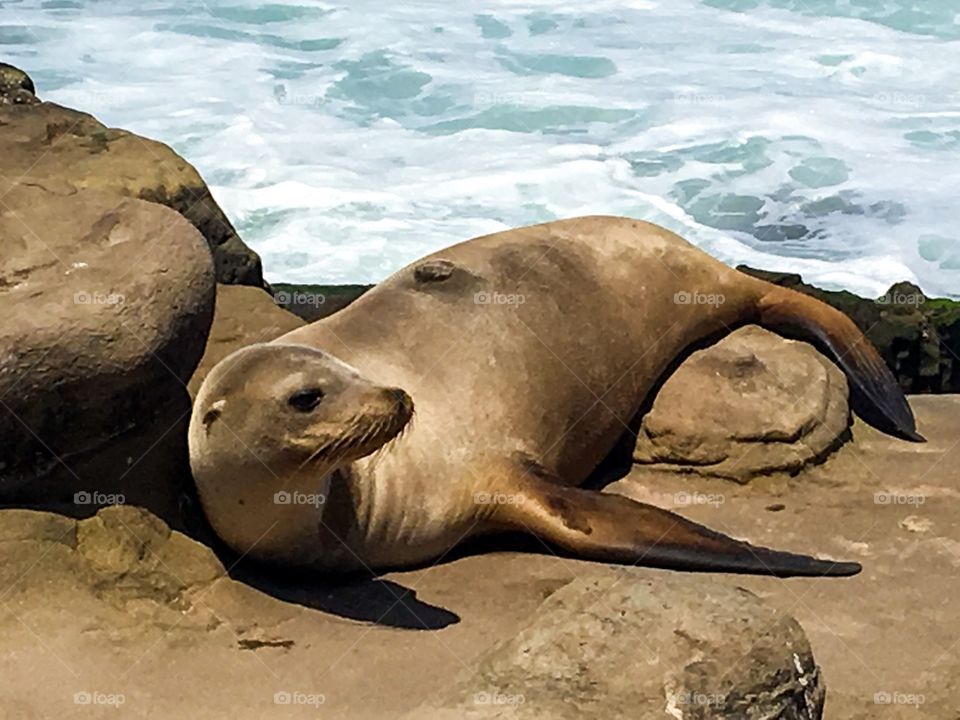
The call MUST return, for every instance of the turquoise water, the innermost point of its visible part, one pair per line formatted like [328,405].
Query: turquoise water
[819,136]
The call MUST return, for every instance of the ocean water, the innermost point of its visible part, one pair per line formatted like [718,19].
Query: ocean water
[345,140]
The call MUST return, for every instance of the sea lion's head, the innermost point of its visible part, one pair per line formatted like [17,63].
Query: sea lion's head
[271,424]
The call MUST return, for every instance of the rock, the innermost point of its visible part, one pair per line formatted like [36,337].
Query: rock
[618,646]
[753,404]
[107,302]
[918,336]
[16,87]
[56,147]
[119,569]
[244,315]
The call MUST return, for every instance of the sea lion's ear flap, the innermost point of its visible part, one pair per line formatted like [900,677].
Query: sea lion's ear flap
[612,528]
[876,395]
[213,412]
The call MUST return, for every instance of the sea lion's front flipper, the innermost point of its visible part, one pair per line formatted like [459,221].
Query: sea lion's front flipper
[612,528]
[876,395]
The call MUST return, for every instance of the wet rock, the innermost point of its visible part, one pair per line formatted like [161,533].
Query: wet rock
[753,404]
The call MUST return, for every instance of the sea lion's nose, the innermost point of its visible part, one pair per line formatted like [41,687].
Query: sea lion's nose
[401,398]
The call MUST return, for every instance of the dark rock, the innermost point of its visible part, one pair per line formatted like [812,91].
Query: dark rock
[918,336]
[312,302]
[16,87]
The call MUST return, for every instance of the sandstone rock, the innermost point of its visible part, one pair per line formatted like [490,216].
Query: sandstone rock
[52,146]
[243,316]
[106,303]
[752,404]
[118,569]
[609,646]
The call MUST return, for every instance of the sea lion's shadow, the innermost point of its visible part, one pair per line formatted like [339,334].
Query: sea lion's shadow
[365,598]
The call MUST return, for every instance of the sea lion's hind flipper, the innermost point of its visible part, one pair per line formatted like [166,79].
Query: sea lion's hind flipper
[876,396]
[612,528]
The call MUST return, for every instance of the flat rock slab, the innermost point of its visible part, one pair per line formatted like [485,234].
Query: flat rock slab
[753,404]
[298,647]
[107,302]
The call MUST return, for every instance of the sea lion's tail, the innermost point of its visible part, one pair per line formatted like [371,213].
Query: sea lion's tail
[875,394]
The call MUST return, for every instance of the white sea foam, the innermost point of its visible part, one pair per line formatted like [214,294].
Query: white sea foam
[347,139]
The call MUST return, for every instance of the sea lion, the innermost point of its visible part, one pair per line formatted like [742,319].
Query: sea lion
[526,354]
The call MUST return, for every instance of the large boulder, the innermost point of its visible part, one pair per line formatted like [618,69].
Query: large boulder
[753,404]
[610,647]
[106,304]
[46,144]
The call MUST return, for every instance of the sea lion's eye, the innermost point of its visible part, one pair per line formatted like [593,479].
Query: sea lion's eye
[305,400]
